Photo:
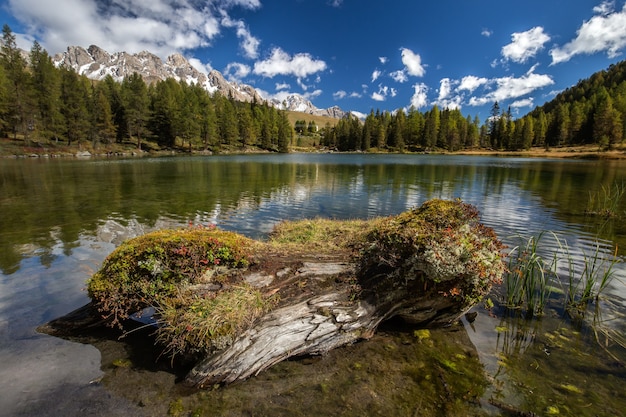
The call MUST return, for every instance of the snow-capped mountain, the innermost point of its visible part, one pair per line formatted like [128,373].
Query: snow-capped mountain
[96,63]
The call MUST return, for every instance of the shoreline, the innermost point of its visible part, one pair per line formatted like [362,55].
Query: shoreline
[16,149]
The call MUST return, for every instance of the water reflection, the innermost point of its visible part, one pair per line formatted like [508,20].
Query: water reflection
[60,218]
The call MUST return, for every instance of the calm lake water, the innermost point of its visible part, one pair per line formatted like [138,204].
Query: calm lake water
[60,218]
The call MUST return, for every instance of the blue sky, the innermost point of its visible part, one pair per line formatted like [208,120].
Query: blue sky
[356,54]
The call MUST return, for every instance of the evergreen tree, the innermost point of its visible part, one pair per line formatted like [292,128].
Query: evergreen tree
[431,127]
[74,95]
[494,132]
[285,132]
[19,114]
[134,93]
[607,125]
[47,89]
[104,128]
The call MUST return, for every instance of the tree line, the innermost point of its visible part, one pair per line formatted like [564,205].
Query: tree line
[401,131]
[40,102]
[593,112]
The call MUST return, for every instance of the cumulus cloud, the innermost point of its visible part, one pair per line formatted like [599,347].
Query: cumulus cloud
[236,71]
[399,76]
[471,83]
[525,45]
[511,87]
[383,92]
[605,8]
[486,32]
[446,99]
[200,66]
[420,96]
[375,75]
[606,31]
[445,86]
[413,63]
[159,26]
[282,86]
[526,102]
[281,63]
[383,59]
[338,95]
[249,43]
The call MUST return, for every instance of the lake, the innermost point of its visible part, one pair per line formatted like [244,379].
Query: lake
[59,218]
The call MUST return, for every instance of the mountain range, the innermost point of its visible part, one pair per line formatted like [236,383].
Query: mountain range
[96,63]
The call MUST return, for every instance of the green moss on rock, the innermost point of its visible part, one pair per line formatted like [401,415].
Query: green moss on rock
[146,270]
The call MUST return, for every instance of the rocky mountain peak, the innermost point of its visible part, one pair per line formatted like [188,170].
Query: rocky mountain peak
[96,63]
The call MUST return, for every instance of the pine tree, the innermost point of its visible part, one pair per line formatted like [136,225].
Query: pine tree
[607,123]
[75,110]
[134,93]
[19,114]
[47,88]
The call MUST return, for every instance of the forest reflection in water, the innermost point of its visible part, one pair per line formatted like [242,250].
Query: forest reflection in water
[60,218]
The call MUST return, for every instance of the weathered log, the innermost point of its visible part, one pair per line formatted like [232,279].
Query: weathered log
[240,306]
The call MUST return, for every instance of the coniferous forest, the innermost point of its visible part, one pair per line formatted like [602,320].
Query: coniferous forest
[41,103]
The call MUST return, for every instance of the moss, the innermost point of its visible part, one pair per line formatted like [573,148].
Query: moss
[148,269]
[196,325]
[190,276]
[440,241]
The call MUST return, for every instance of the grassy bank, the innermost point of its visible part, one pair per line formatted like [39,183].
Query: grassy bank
[11,148]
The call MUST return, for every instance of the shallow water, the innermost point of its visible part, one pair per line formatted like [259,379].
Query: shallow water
[60,218]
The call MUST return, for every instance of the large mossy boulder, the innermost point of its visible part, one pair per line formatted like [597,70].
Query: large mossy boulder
[238,306]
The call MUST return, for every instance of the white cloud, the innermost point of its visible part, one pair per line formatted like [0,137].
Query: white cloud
[486,32]
[338,95]
[413,63]
[381,94]
[159,26]
[399,76]
[236,71]
[525,45]
[512,88]
[281,63]
[444,88]
[383,59]
[605,8]
[249,43]
[200,66]
[420,96]
[313,94]
[526,102]
[471,83]
[444,100]
[282,86]
[375,75]
[606,31]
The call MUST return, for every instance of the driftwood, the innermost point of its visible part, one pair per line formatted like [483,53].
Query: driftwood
[427,266]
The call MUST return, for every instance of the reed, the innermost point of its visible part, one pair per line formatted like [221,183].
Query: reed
[606,201]
[527,281]
[596,273]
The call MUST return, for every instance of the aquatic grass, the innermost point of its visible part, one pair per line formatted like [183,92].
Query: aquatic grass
[597,272]
[527,279]
[606,201]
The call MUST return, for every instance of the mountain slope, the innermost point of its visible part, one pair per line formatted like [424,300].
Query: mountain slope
[96,63]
